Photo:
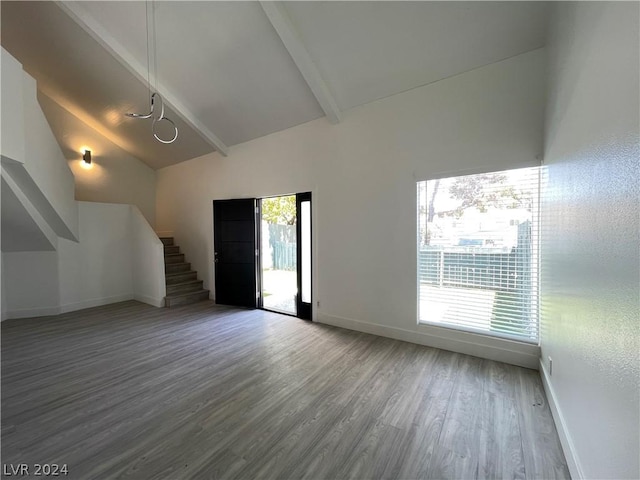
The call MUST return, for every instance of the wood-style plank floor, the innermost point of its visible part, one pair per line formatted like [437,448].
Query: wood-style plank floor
[208,392]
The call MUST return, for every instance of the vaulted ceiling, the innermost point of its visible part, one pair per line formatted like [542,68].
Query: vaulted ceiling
[235,71]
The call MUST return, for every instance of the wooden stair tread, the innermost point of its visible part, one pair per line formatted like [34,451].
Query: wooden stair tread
[177,267]
[179,277]
[186,294]
[185,283]
[175,274]
[184,286]
[184,298]
[173,258]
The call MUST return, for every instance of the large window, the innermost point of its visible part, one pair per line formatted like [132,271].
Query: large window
[478,252]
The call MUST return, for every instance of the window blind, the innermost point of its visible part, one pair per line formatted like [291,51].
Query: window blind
[478,252]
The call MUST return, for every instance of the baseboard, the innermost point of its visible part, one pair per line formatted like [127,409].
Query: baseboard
[570,454]
[155,302]
[95,302]
[30,312]
[501,350]
[72,307]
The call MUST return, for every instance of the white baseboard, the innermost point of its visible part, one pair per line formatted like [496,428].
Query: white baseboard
[72,307]
[95,302]
[155,302]
[568,448]
[501,350]
[30,312]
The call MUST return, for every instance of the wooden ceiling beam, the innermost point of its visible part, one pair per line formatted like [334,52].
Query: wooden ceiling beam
[283,25]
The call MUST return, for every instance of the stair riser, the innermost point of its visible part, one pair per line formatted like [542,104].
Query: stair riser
[196,297]
[181,278]
[180,267]
[169,259]
[192,287]
[182,284]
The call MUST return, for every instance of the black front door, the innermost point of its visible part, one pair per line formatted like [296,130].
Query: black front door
[234,240]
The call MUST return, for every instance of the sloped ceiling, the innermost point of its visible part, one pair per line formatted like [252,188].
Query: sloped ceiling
[370,50]
[230,72]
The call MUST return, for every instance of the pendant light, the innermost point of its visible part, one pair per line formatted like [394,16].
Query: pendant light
[157,104]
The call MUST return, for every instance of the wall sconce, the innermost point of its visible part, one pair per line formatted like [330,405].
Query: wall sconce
[86,158]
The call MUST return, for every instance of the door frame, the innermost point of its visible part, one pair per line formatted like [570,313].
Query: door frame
[303,309]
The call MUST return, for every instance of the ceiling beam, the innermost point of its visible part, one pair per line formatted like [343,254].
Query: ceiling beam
[120,53]
[283,25]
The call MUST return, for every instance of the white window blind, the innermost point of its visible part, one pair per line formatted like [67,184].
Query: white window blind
[478,252]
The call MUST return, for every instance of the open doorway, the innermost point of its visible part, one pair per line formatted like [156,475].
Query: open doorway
[278,253]
[285,254]
[262,253]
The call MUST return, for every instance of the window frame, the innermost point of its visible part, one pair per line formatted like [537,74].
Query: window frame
[535,257]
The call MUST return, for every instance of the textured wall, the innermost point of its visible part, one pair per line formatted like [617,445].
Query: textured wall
[590,270]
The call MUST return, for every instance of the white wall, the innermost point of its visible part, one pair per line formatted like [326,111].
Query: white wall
[30,153]
[30,284]
[116,176]
[97,270]
[3,290]
[362,173]
[44,160]
[94,261]
[590,238]
[12,136]
[147,261]
[118,257]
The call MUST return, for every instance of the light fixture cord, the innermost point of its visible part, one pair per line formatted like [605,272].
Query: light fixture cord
[151,43]
[155,47]
[146,12]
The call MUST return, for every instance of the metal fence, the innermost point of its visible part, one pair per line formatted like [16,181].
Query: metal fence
[282,242]
[472,270]
[471,267]
[510,274]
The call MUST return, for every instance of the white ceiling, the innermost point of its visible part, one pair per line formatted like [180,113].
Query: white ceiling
[370,50]
[230,73]
[225,60]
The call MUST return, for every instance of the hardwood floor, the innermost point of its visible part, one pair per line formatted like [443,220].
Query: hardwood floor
[208,392]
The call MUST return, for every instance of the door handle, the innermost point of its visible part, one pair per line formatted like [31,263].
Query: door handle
[215,254]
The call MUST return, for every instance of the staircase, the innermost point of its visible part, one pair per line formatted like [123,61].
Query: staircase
[183,286]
